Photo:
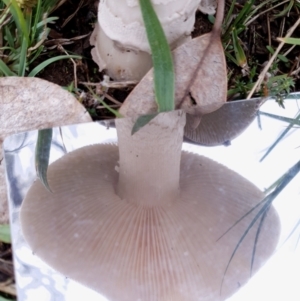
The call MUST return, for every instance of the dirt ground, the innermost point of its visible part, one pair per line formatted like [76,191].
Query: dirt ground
[254,41]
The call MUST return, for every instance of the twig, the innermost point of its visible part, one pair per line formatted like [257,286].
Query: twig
[57,6]
[8,287]
[281,29]
[103,92]
[74,67]
[111,98]
[289,50]
[72,15]
[267,67]
[103,107]
[265,11]
[113,85]
[269,33]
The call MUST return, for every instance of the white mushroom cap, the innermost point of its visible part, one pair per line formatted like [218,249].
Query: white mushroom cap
[30,103]
[119,37]
[128,251]
[119,63]
[120,40]
[123,23]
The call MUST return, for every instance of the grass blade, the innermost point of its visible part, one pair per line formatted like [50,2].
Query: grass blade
[238,50]
[44,64]
[36,19]
[23,58]
[293,41]
[280,137]
[42,154]
[267,201]
[282,118]
[9,38]
[101,100]
[18,18]
[142,121]
[5,234]
[229,14]
[5,70]
[164,77]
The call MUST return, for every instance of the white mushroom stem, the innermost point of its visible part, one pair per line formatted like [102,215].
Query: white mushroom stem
[148,173]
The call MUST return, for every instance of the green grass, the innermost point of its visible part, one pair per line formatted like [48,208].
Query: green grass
[237,31]
[24,29]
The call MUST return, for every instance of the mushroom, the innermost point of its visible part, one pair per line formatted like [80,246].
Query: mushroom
[223,125]
[121,45]
[141,221]
[28,104]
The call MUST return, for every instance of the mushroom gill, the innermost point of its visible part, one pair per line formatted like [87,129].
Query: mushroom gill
[142,221]
[223,125]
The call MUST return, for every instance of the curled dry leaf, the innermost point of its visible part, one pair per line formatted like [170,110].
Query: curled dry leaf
[200,77]
[224,124]
[29,104]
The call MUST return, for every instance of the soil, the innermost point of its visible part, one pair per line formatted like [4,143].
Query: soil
[6,269]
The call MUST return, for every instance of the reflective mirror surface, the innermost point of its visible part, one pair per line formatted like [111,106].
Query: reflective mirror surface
[276,280]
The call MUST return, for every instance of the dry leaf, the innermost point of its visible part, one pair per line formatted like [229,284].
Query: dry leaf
[201,80]
[29,104]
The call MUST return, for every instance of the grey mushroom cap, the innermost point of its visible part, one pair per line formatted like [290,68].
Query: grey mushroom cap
[222,125]
[129,252]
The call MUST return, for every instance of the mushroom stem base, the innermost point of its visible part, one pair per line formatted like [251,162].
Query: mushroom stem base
[150,159]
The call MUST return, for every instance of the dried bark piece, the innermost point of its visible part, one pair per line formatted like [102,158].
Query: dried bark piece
[29,104]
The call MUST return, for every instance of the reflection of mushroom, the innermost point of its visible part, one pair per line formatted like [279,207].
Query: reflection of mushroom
[121,45]
[224,124]
[146,229]
[29,104]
